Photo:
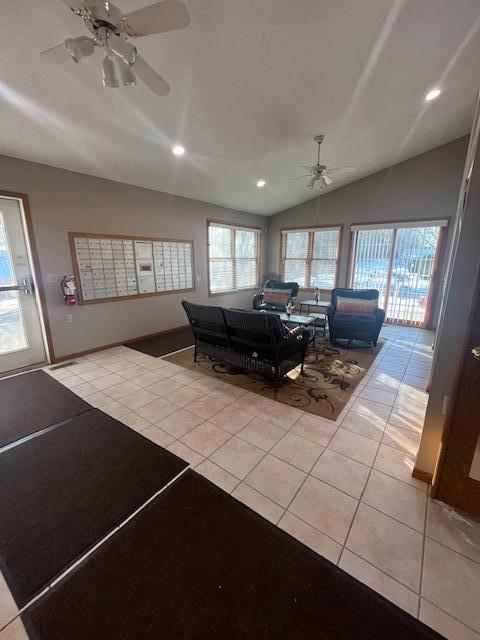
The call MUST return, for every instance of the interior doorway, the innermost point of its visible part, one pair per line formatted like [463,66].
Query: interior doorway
[402,261]
[22,339]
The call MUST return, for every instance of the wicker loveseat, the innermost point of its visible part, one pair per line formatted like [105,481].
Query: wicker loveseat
[251,340]
[363,327]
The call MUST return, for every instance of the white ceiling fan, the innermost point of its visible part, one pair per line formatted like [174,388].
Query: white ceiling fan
[320,172]
[111,31]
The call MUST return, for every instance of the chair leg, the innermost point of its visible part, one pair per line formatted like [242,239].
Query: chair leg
[195,354]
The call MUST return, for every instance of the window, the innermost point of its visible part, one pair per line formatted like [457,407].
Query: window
[310,256]
[233,257]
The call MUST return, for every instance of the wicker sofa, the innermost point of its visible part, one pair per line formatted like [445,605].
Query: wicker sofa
[251,340]
[351,326]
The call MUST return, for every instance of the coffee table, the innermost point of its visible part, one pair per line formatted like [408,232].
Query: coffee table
[321,310]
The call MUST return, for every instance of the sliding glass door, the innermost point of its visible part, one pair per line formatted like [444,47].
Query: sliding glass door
[399,260]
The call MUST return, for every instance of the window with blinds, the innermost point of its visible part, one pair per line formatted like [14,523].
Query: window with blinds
[310,257]
[233,257]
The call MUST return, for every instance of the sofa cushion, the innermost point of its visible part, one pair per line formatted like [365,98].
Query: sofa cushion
[356,306]
[278,297]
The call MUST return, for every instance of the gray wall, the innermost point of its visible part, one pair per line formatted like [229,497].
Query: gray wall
[425,186]
[63,201]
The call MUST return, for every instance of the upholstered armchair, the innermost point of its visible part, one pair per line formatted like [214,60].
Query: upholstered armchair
[274,296]
[353,314]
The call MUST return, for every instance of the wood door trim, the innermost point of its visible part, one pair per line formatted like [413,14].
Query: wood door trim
[448,424]
[23,197]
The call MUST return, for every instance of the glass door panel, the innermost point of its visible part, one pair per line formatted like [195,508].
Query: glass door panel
[399,262]
[21,335]
[372,258]
[412,270]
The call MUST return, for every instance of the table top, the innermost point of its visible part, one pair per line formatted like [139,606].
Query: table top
[314,303]
[297,319]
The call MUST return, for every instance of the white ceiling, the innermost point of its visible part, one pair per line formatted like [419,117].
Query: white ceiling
[252,82]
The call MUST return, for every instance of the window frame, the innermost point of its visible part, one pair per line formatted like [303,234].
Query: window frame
[235,226]
[308,271]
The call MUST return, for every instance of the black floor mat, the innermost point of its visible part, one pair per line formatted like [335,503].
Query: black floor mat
[32,401]
[65,489]
[165,343]
[196,564]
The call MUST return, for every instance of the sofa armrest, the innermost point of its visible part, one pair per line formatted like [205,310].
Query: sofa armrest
[257,300]
[380,315]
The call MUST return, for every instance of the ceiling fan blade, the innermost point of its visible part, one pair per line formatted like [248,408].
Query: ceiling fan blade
[150,77]
[339,170]
[298,177]
[55,55]
[328,181]
[160,17]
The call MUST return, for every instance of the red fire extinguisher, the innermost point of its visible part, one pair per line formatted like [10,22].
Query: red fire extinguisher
[69,290]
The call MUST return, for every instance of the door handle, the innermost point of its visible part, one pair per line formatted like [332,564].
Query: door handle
[12,287]
[476,352]
[26,287]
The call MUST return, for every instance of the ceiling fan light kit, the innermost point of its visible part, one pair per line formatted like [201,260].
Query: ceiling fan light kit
[320,173]
[109,76]
[110,31]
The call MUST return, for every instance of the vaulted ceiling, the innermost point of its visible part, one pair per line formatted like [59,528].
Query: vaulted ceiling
[252,82]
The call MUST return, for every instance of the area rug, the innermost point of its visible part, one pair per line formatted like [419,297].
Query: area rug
[330,376]
[196,564]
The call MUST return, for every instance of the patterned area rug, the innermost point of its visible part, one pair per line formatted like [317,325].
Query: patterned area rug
[330,376]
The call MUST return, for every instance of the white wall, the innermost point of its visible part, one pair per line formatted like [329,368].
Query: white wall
[63,201]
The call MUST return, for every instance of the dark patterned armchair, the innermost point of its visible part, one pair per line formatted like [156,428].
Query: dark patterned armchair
[261,304]
[353,314]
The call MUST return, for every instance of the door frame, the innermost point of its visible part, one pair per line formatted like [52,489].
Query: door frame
[25,210]
[449,418]
[437,266]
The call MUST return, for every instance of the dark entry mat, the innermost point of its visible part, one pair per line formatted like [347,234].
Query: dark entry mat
[196,564]
[32,401]
[165,343]
[65,489]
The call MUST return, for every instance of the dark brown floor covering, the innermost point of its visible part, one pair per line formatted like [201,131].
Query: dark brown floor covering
[33,401]
[66,488]
[165,343]
[196,564]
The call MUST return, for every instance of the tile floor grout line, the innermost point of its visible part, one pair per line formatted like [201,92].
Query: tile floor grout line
[450,615]
[422,562]
[445,546]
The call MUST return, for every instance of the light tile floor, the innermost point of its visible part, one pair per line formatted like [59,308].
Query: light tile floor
[343,488]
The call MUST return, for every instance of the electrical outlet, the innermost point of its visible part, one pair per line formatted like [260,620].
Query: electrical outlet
[52,278]
[68,318]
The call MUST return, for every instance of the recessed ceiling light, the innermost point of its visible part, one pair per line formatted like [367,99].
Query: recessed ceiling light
[431,95]
[261,184]
[178,150]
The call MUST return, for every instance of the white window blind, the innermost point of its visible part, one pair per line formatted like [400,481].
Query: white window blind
[233,257]
[310,256]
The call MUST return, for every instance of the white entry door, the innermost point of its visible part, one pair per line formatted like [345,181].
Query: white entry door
[21,335]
